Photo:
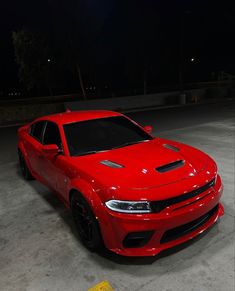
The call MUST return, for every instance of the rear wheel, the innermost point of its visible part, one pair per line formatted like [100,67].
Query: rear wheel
[24,168]
[86,222]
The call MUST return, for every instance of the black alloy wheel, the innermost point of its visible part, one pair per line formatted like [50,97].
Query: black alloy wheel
[86,222]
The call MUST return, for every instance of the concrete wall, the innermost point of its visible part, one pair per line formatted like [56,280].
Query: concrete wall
[20,113]
[120,103]
[152,100]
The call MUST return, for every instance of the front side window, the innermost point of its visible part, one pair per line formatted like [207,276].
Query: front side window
[36,130]
[90,136]
[52,135]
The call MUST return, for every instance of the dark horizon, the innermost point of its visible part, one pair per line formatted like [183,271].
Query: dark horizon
[122,44]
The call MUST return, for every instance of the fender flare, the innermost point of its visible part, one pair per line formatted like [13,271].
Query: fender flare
[88,192]
[85,188]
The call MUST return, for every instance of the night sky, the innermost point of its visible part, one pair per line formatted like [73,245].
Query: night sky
[121,40]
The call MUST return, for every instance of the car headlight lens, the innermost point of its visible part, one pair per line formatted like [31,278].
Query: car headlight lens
[129,206]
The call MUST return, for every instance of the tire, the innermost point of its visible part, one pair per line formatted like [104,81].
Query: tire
[24,168]
[86,222]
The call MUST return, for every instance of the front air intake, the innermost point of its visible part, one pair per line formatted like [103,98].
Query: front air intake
[137,239]
[170,166]
[185,229]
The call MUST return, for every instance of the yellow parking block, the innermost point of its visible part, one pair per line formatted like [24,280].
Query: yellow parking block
[102,286]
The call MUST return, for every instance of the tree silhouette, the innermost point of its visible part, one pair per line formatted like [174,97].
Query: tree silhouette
[32,56]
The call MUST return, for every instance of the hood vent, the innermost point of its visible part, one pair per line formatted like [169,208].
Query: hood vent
[111,164]
[171,147]
[170,166]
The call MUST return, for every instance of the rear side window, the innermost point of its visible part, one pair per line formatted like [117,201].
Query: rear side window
[52,135]
[37,130]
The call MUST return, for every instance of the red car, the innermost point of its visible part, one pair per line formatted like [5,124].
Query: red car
[133,192]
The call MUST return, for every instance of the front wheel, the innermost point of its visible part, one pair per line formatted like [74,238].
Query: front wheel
[86,222]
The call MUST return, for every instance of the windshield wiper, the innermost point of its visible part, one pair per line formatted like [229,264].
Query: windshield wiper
[116,147]
[130,143]
[90,153]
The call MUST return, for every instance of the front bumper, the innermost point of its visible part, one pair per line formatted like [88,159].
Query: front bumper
[116,227]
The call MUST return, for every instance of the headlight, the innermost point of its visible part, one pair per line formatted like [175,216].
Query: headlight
[129,206]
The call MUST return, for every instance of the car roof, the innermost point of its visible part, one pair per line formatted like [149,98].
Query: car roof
[76,116]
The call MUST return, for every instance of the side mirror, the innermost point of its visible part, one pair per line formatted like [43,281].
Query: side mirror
[51,149]
[148,129]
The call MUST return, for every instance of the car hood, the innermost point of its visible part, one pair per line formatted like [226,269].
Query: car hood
[137,166]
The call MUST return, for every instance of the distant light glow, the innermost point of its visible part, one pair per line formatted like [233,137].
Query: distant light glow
[192,60]
[48,60]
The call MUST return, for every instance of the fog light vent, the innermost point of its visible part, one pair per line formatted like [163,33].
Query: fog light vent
[137,239]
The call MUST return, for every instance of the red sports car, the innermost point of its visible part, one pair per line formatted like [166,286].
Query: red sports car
[133,192]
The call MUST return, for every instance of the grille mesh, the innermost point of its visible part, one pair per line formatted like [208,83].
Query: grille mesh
[158,206]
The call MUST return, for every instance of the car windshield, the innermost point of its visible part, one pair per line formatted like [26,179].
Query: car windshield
[92,136]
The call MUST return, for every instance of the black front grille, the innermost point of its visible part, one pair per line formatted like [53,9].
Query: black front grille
[158,206]
[182,230]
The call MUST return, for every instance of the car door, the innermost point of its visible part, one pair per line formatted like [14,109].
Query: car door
[54,165]
[33,145]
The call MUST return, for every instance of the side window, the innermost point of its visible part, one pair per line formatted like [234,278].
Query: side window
[52,135]
[37,130]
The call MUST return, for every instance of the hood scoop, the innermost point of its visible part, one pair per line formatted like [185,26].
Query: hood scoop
[111,164]
[171,147]
[171,166]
